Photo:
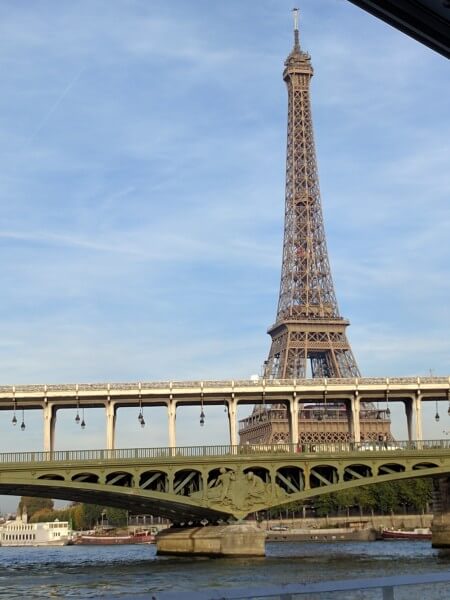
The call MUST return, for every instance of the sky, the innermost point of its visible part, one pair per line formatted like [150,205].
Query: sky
[142,146]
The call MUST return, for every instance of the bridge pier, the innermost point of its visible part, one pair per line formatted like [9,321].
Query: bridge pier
[354,425]
[171,418]
[237,539]
[49,427]
[110,425]
[440,527]
[293,419]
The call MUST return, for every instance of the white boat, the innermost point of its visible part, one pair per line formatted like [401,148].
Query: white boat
[21,533]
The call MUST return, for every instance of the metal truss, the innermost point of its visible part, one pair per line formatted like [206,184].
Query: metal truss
[308,325]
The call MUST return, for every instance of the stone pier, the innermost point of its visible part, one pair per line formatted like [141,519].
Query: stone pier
[239,539]
[440,527]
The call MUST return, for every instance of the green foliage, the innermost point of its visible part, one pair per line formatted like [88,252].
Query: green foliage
[82,516]
[326,504]
[390,496]
[116,517]
[90,515]
[32,505]
[42,515]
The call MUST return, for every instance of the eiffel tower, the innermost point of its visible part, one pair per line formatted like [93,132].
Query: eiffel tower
[308,326]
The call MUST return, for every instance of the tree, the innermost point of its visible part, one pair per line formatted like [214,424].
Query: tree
[117,517]
[43,515]
[32,505]
[90,515]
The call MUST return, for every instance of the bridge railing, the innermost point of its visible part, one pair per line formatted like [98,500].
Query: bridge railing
[310,449]
[138,387]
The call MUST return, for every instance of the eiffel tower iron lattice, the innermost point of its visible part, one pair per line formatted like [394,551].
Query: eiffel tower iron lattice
[308,325]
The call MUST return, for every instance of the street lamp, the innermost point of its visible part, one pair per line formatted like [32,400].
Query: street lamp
[22,425]
[14,419]
[202,413]
[83,422]
[437,418]
[388,410]
[77,418]
[141,413]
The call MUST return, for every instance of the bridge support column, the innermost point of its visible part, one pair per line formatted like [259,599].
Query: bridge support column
[49,427]
[293,419]
[409,418]
[417,405]
[440,527]
[239,539]
[232,421]
[172,415]
[111,412]
[354,416]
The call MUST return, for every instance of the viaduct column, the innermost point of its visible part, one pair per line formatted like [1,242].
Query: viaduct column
[417,409]
[293,419]
[355,425]
[111,412]
[172,415]
[409,417]
[49,427]
[232,422]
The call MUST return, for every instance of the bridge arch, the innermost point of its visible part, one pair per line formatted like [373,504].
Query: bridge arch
[187,482]
[155,480]
[389,468]
[290,478]
[356,471]
[120,478]
[85,477]
[424,465]
[323,475]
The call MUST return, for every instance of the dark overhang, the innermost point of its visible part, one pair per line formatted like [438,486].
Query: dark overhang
[427,21]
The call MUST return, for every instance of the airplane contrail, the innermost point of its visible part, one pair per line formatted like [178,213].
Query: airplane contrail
[55,105]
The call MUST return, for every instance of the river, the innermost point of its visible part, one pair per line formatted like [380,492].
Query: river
[77,572]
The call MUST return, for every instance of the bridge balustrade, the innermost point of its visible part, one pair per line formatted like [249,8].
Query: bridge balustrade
[224,450]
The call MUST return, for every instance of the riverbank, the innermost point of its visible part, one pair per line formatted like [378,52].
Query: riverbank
[377,522]
[337,534]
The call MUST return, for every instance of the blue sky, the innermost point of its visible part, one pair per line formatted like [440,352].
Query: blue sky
[142,186]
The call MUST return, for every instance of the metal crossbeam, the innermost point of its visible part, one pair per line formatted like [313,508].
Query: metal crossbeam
[150,480]
[185,481]
[289,483]
[354,473]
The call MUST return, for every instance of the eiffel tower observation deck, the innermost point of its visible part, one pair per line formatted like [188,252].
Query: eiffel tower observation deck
[309,335]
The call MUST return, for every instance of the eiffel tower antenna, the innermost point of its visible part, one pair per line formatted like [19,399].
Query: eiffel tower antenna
[295,13]
[308,325]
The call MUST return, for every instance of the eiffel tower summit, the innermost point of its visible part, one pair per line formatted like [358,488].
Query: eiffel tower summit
[309,335]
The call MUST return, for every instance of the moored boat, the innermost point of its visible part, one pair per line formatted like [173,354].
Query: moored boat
[21,533]
[419,533]
[141,537]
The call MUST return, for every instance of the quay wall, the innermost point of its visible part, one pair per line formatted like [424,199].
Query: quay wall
[375,522]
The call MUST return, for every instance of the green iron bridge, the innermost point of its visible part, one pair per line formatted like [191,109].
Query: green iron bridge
[215,482]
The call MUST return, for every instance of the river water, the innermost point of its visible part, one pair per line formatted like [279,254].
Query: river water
[77,572]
